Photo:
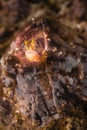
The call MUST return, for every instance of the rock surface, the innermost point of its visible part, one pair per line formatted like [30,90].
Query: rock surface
[44,79]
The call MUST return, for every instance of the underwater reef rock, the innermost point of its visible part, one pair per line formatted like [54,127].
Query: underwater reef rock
[43,79]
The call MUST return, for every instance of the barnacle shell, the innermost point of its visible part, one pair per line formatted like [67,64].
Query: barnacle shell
[43,76]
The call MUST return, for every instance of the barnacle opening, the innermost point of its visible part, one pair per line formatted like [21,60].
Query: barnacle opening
[36,49]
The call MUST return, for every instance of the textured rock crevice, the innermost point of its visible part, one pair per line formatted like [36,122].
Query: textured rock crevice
[43,78]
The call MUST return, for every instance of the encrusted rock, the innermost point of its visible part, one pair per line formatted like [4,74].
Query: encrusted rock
[43,79]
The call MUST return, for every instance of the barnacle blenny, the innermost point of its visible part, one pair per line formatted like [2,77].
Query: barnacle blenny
[43,75]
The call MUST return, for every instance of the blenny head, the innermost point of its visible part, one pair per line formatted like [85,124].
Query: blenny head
[31,45]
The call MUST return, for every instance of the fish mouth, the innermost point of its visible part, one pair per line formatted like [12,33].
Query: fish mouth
[32,56]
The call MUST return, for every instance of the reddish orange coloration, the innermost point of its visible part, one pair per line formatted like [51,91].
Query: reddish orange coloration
[31,48]
[32,52]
